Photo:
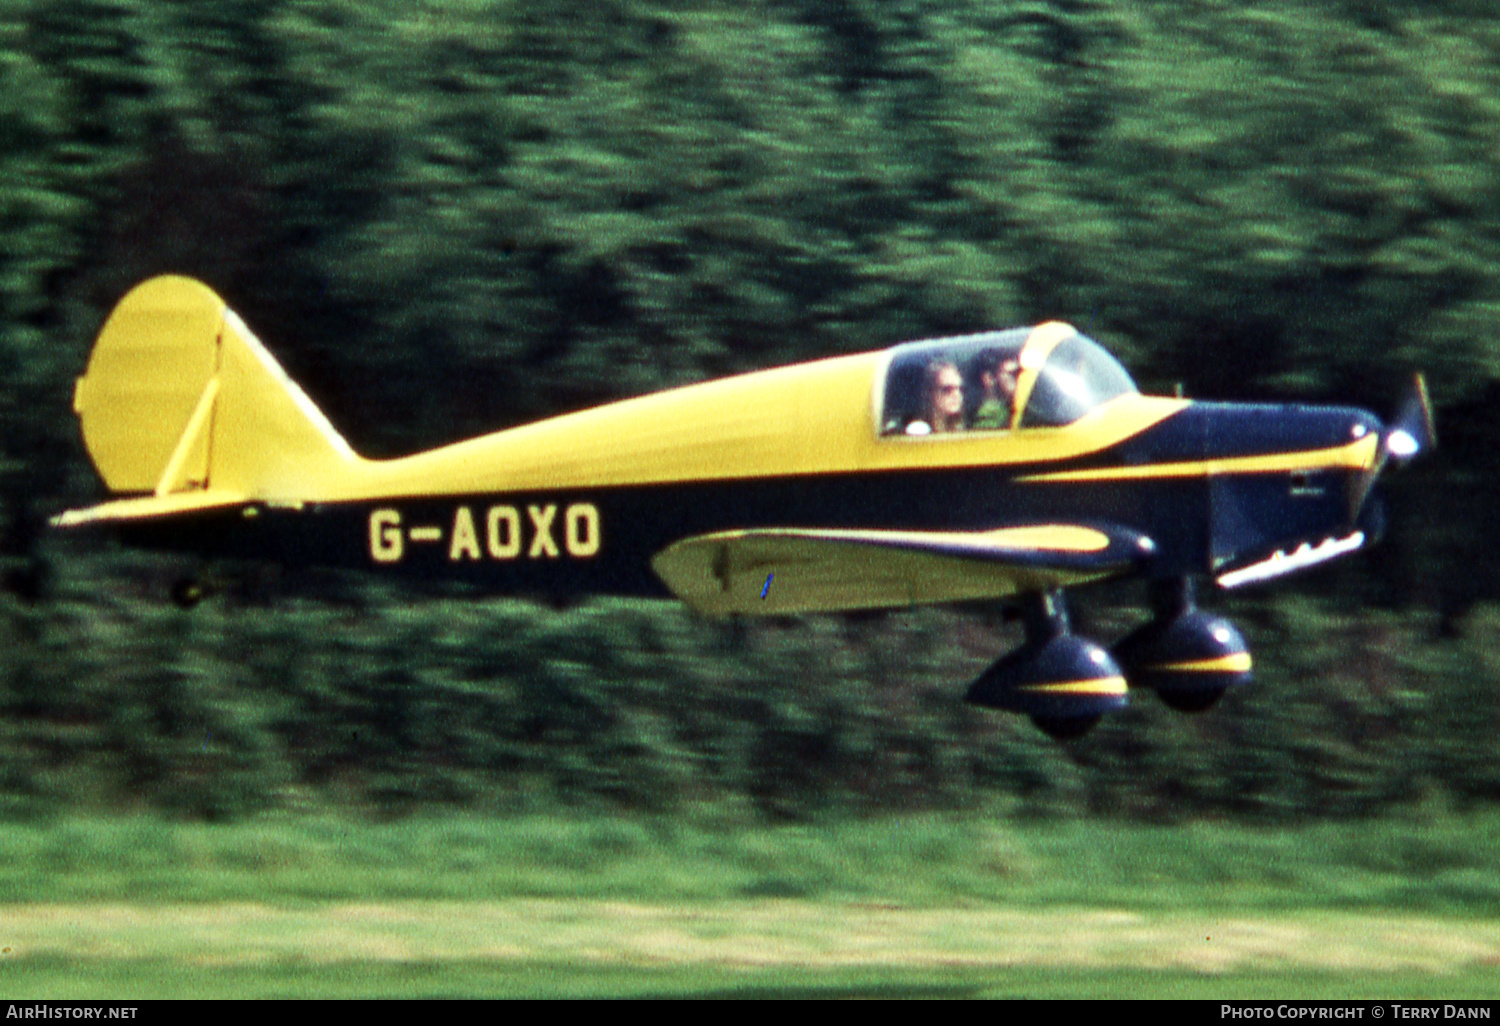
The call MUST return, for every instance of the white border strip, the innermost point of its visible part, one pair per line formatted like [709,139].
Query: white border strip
[1305,555]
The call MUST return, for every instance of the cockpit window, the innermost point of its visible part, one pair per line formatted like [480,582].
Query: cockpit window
[976,382]
[920,397]
[1077,376]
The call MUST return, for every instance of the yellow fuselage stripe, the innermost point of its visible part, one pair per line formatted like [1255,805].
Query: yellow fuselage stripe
[1358,455]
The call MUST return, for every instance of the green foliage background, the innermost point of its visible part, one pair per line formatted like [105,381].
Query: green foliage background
[450,216]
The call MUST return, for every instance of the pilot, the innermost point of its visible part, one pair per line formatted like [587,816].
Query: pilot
[998,371]
[945,401]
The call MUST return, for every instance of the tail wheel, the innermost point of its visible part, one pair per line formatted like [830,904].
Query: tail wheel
[187,592]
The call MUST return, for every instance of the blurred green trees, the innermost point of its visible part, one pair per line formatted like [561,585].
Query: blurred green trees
[450,216]
[114,699]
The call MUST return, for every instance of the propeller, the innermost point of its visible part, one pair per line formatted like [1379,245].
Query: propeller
[1408,436]
[1412,433]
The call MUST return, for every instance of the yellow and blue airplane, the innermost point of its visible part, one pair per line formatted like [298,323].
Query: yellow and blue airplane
[1004,465]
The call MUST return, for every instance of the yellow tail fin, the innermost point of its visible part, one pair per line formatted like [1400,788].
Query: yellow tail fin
[180,397]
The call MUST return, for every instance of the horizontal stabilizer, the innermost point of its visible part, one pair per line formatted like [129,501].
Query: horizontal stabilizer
[148,507]
[793,570]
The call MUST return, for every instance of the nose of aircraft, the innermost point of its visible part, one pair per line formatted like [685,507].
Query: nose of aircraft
[1409,435]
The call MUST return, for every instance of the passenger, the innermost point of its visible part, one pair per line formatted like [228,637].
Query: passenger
[998,371]
[945,401]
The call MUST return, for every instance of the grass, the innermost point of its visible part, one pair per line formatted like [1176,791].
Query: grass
[930,906]
[1441,865]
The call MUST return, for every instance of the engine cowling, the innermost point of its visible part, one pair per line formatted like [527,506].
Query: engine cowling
[1190,658]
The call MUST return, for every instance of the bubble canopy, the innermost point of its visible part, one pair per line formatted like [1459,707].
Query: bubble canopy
[1047,376]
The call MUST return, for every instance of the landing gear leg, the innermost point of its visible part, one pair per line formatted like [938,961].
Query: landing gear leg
[1172,596]
[1044,615]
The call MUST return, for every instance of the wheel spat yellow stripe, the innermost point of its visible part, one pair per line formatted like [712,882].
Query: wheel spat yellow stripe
[1235,662]
[1097,686]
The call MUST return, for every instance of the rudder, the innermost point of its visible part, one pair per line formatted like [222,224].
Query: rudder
[179,396]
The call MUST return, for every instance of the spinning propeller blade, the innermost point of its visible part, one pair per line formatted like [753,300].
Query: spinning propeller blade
[1409,435]
[1412,432]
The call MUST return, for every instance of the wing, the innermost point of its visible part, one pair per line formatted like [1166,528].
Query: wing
[798,570]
